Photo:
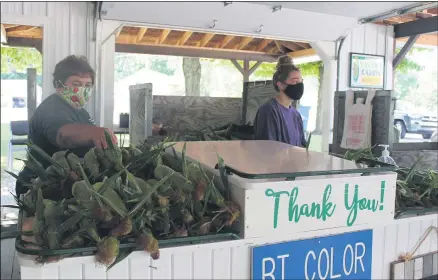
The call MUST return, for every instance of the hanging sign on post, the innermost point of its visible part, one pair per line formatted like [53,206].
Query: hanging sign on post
[367,71]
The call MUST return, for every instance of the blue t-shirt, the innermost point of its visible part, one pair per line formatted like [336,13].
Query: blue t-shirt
[276,122]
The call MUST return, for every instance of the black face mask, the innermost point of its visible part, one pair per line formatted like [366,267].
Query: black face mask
[295,92]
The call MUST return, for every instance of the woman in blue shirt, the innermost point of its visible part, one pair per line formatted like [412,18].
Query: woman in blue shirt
[277,119]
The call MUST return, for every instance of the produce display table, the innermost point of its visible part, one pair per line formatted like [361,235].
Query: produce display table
[305,215]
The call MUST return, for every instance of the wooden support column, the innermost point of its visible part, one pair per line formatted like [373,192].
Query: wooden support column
[31,92]
[140,116]
[406,48]
[246,72]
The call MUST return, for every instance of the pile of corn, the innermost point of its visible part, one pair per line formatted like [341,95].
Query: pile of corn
[119,196]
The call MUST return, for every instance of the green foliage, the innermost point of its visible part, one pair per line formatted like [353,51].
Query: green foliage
[20,76]
[126,65]
[160,65]
[407,65]
[19,59]
[405,83]
[266,70]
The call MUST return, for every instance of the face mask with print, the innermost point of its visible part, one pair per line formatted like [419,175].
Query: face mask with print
[76,96]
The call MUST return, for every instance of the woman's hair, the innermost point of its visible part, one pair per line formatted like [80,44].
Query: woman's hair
[285,65]
[72,65]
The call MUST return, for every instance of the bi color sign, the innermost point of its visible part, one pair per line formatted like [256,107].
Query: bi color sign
[345,256]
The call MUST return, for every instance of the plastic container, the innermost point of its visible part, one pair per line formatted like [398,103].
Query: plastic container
[385,157]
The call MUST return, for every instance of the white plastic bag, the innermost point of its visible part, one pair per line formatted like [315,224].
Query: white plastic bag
[357,124]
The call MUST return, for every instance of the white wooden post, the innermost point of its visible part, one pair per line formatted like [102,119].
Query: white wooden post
[326,51]
[31,92]
[104,94]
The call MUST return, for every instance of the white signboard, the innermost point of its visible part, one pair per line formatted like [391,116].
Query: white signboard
[367,71]
[298,206]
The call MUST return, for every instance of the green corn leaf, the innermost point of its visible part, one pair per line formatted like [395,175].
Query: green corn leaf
[147,195]
[123,253]
[223,174]
[109,140]
[89,186]
[70,223]
[411,172]
[184,161]
[308,141]
[44,155]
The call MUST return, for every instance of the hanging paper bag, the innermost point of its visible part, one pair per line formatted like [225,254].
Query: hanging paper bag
[357,124]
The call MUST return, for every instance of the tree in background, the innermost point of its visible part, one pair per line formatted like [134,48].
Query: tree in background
[160,65]
[17,60]
[192,75]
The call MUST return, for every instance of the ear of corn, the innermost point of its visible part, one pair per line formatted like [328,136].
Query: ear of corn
[116,194]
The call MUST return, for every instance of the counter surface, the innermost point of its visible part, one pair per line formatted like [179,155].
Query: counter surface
[263,158]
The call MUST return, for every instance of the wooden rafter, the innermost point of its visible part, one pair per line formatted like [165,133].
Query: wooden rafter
[263,45]
[302,53]
[278,45]
[8,26]
[206,39]
[4,37]
[140,34]
[118,32]
[302,45]
[163,35]
[225,41]
[21,28]
[291,45]
[186,35]
[245,41]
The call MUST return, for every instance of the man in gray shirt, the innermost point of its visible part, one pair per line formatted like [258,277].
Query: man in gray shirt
[60,122]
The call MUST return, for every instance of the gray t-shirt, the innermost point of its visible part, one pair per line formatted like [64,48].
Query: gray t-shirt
[53,113]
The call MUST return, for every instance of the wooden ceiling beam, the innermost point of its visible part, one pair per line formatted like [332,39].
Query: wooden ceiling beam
[226,40]
[21,28]
[195,52]
[302,45]
[206,39]
[163,36]
[302,53]
[186,35]
[140,34]
[425,39]
[280,47]
[291,45]
[245,41]
[7,26]
[263,45]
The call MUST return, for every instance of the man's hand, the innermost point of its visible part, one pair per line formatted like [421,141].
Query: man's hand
[99,139]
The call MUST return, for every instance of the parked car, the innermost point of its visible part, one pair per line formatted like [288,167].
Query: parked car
[408,122]
[18,102]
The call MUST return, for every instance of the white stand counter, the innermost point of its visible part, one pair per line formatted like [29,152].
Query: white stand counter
[325,221]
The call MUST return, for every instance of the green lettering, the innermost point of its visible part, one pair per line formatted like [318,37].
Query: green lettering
[293,209]
[351,207]
[276,195]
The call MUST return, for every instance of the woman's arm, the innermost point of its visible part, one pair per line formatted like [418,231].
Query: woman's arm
[265,125]
[81,135]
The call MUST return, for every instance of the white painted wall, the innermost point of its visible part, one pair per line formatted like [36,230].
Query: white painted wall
[369,39]
[67,29]
[232,259]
